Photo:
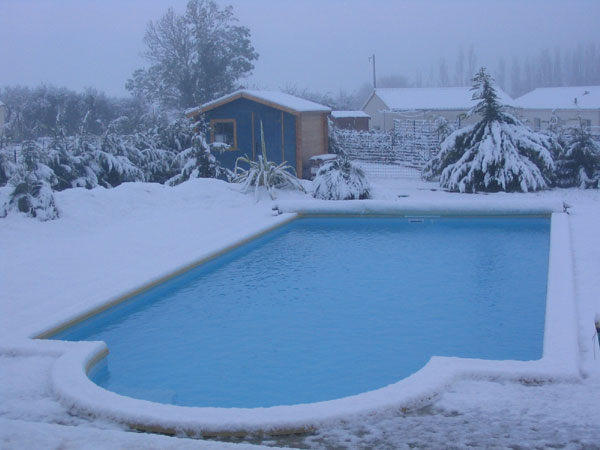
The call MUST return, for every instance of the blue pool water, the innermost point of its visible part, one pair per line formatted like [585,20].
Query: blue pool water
[324,308]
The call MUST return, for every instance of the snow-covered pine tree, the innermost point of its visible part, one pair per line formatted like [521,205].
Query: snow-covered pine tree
[32,193]
[195,161]
[579,163]
[498,153]
[112,161]
[340,179]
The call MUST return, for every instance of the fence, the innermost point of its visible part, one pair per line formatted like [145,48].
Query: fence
[401,152]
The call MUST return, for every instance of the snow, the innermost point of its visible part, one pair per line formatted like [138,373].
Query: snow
[106,243]
[588,97]
[348,114]
[444,98]
[286,101]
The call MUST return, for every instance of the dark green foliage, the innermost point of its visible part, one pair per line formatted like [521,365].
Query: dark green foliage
[489,108]
[498,153]
[196,161]
[34,198]
[579,163]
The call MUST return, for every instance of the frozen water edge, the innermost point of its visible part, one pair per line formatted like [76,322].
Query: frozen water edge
[468,411]
[559,363]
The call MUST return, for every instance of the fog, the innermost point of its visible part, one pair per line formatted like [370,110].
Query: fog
[321,45]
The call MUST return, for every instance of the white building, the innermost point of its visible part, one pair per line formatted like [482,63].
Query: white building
[537,107]
[453,103]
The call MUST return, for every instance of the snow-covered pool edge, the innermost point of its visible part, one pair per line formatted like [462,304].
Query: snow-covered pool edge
[559,362]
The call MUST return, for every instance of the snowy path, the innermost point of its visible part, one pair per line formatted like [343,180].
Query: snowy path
[117,235]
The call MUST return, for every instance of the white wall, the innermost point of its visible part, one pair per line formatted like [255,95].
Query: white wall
[569,117]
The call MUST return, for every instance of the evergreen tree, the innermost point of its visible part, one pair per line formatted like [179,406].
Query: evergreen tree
[196,161]
[579,164]
[498,153]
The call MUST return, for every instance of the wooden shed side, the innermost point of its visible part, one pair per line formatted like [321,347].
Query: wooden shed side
[312,140]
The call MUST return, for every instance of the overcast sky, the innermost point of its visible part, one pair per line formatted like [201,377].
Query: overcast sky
[321,45]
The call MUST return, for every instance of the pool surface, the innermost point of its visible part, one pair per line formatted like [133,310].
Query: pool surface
[324,308]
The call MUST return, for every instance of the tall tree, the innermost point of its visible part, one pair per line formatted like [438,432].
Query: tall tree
[193,57]
[498,153]
[444,78]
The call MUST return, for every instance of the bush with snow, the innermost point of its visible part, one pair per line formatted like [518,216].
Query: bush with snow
[498,153]
[165,153]
[579,163]
[341,179]
[32,196]
[263,172]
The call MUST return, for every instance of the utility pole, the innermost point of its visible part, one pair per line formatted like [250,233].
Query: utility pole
[372,58]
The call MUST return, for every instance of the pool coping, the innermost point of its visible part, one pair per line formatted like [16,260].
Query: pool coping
[560,361]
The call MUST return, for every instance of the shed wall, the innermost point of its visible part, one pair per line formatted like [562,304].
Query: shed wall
[279,131]
[313,139]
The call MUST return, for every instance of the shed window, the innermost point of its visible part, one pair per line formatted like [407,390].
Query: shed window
[224,131]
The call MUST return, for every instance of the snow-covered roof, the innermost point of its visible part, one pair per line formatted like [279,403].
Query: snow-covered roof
[351,114]
[276,99]
[572,97]
[444,98]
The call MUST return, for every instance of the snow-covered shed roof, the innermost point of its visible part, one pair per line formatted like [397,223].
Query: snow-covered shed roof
[275,99]
[349,114]
[572,97]
[443,98]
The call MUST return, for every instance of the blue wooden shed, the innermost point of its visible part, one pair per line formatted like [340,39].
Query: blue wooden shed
[295,129]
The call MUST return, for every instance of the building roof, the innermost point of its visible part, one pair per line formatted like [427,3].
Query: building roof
[349,114]
[444,98]
[275,99]
[572,97]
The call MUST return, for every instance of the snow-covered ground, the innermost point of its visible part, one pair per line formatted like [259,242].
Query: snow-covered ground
[108,242]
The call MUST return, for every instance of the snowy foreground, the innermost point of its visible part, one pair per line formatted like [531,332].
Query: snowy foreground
[108,242]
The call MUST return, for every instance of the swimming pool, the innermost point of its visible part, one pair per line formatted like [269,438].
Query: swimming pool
[325,308]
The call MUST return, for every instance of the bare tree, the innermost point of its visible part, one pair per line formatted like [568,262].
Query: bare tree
[444,78]
[193,57]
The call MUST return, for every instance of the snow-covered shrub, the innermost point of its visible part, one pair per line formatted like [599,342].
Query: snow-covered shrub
[7,166]
[195,162]
[340,179]
[112,162]
[33,197]
[498,153]
[264,172]
[579,163]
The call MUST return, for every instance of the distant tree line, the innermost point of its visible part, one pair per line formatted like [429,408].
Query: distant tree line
[39,112]
[578,66]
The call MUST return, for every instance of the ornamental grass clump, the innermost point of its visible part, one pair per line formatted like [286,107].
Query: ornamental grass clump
[341,179]
[263,172]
